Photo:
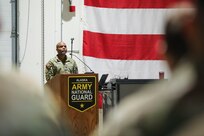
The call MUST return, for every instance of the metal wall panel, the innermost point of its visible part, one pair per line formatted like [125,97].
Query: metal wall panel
[5,32]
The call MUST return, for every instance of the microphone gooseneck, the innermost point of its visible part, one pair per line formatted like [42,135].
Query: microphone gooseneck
[91,71]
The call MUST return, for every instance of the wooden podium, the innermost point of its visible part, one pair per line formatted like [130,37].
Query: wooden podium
[79,95]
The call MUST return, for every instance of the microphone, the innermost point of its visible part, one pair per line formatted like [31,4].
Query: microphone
[91,71]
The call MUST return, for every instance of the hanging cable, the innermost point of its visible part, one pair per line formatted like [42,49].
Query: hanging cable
[26,42]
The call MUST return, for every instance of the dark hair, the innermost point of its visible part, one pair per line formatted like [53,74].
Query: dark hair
[175,40]
[200,4]
[200,13]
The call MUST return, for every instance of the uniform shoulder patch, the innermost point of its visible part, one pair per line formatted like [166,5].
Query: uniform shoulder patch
[49,65]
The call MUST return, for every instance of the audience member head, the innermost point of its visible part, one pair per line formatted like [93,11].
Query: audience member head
[26,109]
[176,44]
[199,30]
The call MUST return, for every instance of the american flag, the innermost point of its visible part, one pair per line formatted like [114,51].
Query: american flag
[121,37]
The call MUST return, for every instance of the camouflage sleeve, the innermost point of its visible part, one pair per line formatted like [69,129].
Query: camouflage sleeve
[50,71]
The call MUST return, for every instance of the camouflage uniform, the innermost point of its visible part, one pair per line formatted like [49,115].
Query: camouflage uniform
[56,66]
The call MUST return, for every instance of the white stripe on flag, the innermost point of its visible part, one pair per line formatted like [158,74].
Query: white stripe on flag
[131,69]
[117,21]
[125,21]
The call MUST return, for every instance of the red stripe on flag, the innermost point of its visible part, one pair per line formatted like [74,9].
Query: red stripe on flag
[131,3]
[121,46]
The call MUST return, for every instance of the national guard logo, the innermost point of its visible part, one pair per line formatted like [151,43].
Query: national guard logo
[81,92]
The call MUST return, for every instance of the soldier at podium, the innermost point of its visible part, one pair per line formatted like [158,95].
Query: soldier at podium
[61,63]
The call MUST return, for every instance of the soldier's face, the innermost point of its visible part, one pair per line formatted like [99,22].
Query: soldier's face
[61,49]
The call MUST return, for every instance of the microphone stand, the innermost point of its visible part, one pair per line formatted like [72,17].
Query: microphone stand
[91,71]
[72,39]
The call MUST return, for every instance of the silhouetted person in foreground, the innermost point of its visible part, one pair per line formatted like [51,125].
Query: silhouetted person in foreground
[28,110]
[153,110]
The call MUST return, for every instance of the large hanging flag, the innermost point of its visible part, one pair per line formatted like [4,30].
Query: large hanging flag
[121,37]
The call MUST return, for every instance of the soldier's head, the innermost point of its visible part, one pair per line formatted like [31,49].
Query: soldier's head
[61,48]
[176,43]
[195,33]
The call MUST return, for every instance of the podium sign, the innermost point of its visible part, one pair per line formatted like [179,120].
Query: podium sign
[82,92]
[78,96]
